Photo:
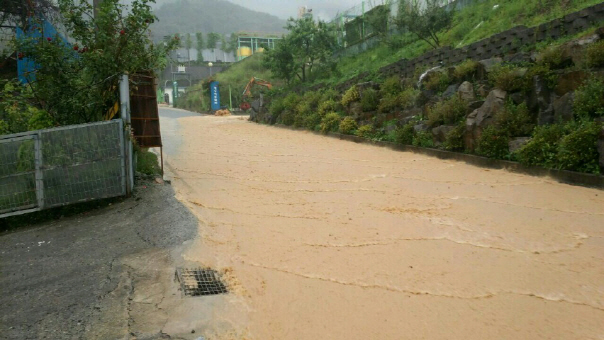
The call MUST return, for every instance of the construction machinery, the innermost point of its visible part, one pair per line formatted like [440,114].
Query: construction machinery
[247,92]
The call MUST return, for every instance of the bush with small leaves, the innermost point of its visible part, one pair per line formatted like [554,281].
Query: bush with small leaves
[507,77]
[327,106]
[331,122]
[369,100]
[466,70]
[589,99]
[404,135]
[578,150]
[515,121]
[351,95]
[391,86]
[552,57]
[542,149]
[348,126]
[450,111]
[594,55]
[365,131]
[329,94]
[408,98]
[493,143]
[389,103]
[437,81]
[454,140]
[423,139]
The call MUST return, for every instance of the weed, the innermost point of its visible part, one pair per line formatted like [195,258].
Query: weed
[391,86]
[365,131]
[508,78]
[370,100]
[330,122]
[146,162]
[423,139]
[578,151]
[515,121]
[450,111]
[493,143]
[466,70]
[348,126]
[542,149]
[454,141]
[594,55]
[589,99]
[404,135]
[351,95]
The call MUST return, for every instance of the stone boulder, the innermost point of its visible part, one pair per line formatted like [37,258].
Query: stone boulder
[450,91]
[570,81]
[440,133]
[355,110]
[540,100]
[516,143]
[483,117]
[466,91]
[421,127]
[518,98]
[475,105]
[563,107]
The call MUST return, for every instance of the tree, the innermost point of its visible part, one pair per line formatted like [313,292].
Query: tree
[307,44]
[213,39]
[77,83]
[188,46]
[15,13]
[425,22]
[199,46]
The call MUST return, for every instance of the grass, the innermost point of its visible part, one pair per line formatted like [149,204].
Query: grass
[147,163]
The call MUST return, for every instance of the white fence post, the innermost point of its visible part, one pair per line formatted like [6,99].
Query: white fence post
[125,113]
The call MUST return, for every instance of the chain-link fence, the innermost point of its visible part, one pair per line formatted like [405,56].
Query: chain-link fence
[49,168]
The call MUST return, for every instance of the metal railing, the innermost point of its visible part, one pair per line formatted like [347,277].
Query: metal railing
[55,167]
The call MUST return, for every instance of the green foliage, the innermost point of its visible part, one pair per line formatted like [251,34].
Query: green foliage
[466,70]
[389,103]
[80,86]
[507,77]
[515,121]
[404,135]
[331,122]
[365,131]
[493,143]
[454,140]
[578,150]
[327,106]
[308,43]
[425,22]
[370,100]
[377,20]
[423,139]
[449,111]
[277,106]
[542,71]
[594,55]
[17,112]
[199,45]
[290,104]
[147,163]
[391,86]
[351,95]
[437,81]
[212,40]
[348,126]
[589,99]
[552,58]
[330,94]
[408,97]
[542,149]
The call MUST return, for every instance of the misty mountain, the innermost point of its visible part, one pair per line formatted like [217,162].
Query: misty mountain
[220,16]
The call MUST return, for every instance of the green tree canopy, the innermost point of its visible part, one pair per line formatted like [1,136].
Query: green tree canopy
[307,44]
[213,39]
[199,46]
[424,20]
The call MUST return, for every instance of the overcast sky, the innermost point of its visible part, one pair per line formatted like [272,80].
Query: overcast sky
[323,9]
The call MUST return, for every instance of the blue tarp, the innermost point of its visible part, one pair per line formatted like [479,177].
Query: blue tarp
[26,67]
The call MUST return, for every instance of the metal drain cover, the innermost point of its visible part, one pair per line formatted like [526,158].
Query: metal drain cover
[201,281]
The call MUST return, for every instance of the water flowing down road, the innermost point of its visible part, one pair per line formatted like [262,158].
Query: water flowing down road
[328,239]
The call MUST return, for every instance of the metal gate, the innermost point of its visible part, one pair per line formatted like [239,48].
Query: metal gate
[55,167]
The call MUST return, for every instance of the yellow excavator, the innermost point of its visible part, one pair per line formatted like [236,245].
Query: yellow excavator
[247,92]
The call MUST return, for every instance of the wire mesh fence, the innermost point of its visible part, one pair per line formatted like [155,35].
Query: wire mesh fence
[49,168]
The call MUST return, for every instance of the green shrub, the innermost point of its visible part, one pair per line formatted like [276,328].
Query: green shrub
[365,131]
[389,103]
[40,120]
[348,125]
[408,98]
[370,100]
[552,57]
[466,70]
[589,99]
[351,95]
[329,94]
[507,78]
[454,141]
[594,55]
[542,149]
[277,106]
[544,72]
[302,111]
[449,111]
[291,101]
[493,143]
[287,117]
[146,162]
[515,121]
[327,106]
[330,122]
[391,86]
[423,139]
[437,81]
[578,150]
[404,135]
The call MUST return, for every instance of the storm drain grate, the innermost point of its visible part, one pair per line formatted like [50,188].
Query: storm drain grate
[202,281]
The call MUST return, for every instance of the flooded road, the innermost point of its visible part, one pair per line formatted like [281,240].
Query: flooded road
[328,239]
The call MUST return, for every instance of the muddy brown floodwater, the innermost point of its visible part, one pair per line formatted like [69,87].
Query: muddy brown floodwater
[328,239]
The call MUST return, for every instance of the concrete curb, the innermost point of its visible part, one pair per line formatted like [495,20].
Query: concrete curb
[563,176]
